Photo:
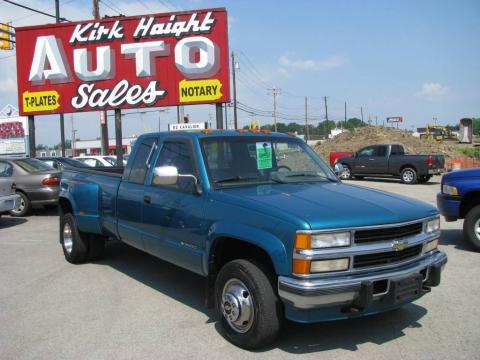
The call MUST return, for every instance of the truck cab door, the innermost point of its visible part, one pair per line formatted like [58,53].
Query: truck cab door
[364,160]
[173,216]
[130,194]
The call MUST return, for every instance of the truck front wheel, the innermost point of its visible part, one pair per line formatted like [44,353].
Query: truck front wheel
[346,173]
[471,227]
[249,310]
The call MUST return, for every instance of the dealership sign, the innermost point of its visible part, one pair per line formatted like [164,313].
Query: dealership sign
[124,62]
[13,135]
[395,119]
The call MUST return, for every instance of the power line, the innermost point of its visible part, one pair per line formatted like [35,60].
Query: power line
[34,10]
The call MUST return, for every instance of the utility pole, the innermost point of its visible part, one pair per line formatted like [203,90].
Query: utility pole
[118,137]
[345,114]
[226,117]
[361,111]
[306,120]
[62,119]
[327,127]
[376,120]
[103,113]
[275,91]
[434,120]
[235,123]
[326,108]
[73,136]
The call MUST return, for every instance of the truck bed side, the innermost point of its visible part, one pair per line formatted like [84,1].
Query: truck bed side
[92,195]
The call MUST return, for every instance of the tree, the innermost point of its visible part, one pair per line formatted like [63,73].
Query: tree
[68,145]
[41,147]
[476,126]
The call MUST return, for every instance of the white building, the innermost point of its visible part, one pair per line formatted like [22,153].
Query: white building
[94,147]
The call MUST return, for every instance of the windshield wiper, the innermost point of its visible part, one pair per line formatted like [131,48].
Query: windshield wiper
[309,174]
[236,178]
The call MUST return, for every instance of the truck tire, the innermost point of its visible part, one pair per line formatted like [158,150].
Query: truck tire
[347,172]
[24,208]
[249,310]
[471,227]
[408,175]
[74,243]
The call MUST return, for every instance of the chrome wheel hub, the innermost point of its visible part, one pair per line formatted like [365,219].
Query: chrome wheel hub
[345,173]
[237,305]
[476,229]
[21,207]
[408,176]
[67,238]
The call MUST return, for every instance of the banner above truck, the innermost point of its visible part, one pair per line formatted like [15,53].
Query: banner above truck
[124,62]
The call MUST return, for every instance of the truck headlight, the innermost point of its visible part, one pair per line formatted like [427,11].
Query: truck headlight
[449,190]
[320,241]
[432,226]
[431,245]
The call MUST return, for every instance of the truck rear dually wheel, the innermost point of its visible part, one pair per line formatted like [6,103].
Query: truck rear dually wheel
[249,310]
[471,227]
[74,243]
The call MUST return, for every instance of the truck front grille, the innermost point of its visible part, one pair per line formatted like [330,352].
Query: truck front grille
[386,234]
[386,258]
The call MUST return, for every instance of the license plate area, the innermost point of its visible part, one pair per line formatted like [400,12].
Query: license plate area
[404,289]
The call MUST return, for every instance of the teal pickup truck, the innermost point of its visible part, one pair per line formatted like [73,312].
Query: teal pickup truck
[272,229]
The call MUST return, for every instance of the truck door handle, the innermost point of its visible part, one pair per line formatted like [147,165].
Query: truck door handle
[147,199]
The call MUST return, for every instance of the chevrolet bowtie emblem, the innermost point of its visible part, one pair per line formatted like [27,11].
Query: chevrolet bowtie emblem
[399,245]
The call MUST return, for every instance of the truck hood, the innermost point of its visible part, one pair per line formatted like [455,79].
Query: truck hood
[327,205]
[463,174]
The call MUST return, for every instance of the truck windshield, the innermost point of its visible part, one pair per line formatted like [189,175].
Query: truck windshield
[234,161]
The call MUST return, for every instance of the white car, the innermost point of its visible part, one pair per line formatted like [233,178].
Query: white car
[97,160]
[8,199]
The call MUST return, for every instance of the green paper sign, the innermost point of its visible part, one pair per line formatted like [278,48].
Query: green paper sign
[264,155]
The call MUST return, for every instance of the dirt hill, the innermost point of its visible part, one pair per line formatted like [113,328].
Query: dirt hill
[370,135]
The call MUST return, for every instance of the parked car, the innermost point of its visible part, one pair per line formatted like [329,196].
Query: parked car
[36,183]
[391,160]
[61,163]
[9,200]
[99,161]
[460,199]
[272,229]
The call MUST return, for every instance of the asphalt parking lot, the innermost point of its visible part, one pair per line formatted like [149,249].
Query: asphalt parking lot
[132,305]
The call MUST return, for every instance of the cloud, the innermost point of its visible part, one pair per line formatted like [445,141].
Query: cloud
[311,64]
[284,72]
[8,86]
[432,91]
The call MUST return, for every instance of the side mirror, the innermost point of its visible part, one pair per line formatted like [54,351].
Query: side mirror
[168,175]
[165,175]
[338,169]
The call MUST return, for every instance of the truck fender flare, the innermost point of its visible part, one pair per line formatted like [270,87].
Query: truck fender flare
[66,196]
[269,243]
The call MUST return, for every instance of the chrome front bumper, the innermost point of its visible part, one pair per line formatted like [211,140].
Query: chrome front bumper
[348,290]
[9,202]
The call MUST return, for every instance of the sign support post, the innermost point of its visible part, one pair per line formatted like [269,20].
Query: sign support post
[31,136]
[219,114]
[118,137]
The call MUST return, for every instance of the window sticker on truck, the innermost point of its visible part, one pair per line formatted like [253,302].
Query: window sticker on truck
[264,155]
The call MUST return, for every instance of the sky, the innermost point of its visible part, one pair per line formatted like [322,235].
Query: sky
[416,59]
